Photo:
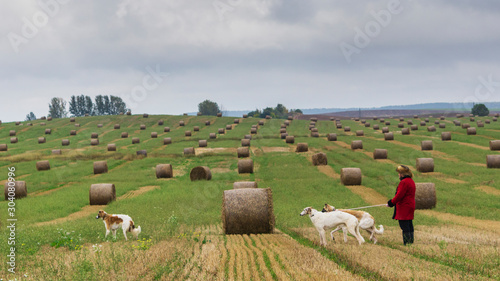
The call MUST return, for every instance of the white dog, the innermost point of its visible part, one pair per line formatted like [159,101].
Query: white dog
[113,222]
[366,222]
[324,221]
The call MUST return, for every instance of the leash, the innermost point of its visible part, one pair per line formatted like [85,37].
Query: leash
[380,205]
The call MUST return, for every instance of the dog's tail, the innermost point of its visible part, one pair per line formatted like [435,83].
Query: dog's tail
[381,231]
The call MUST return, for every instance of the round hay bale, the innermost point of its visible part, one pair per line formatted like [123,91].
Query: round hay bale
[472,119]
[129,112]
[389,136]
[3,147]
[221,131]
[196,128]
[94,141]
[187,133]
[426,145]
[72,133]
[493,161]
[124,135]
[135,140]
[409,122]
[290,139]
[72,119]
[111,147]
[494,144]
[387,123]
[243,152]
[422,123]
[471,131]
[494,119]
[12,133]
[376,127]
[426,120]
[425,165]
[181,123]
[160,122]
[142,127]
[145,115]
[14,140]
[382,120]
[401,119]
[102,193]
[339,126]
[166,129]
[385,130]
[207,123]
[202,143]
[100,167]
[497,115]
[154,135]
[363,121]
[167,140]
[99,125]
[164,171]
[457,123]
[245,166]
[282,131]
[319,159]
[142,153]
[442,126]
[189,151]
[315,119]
[43,165]
[244,184]
[465,125]
[356,144]
[248,137]
[255,126]
[236,121]
[347,129]
[367,125]
[94,136]
[268,116]
[436,122]
[212,135]
[302,147]
[283,135]
[446,136]
[405,131]
[16,189]
[360,133]
[350,176]
[425,195]
[431,129]
[117,126]
[41,140]
[65,142]
[314,130]
[315,134]
[261,123]
[56,151]
[331,137]
[219,114]
[245,142]
[247,211]
[245,115]
[48,131]
[401,125]
[287,123]
[229,127]
[42,124]
[380,153]
[27,124]
[253,131]
[480,124]
[199,114]
[200,173]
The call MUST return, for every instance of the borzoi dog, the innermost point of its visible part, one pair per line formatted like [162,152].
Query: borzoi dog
[113,222]
[366,222]
[324,221]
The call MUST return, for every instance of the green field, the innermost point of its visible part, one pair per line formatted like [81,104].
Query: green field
[58,238]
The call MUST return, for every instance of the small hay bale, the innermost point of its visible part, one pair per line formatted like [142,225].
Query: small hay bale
[41,140]
[129,112]
[202,143]
[43,165]
[229,127]
[243,152]
[350,176]
[287,123]
[200,173]
[245,115]
[283,135]
[65,142]
[248,137]
[376,127]
[181,123]
[164,171]
[356,144]
[426,120]
[244,184]
[339,126]
[102,193]
[77,125]
[425,195]
[465,125]
[12,133]
[255,126]
[446,136]
[111,147]
[315,134]
[212,135]
[245,142]
[48,131]
[56,151]
[160,122]
[196,128]
[282,131]
[135,140]
[290,139]
[261,123]
[302,147]
[189,151]
[401,119]
[401,125]
[245,166]
[42,124]
[385,130]
[314,130]
[409,122]
[117,126]
[253,131]
[17,189]
[380,153]
[405,131]
[389,136]
[268,116]
[457,122]
[124,135]
[94,136]
[480,124]
[331,137]
[387,123]
[315,119]
[219,114]
[236,121]
[367,125]
[99,125]
[3,147]
[247,211]
[494,144]
[100,167]
[154,135]
[14,140]
[347,129]
[360,133]
[425,165]
[72,133]
[72,119]
[187,133]
[167,140]
[442,126]
[472,119]
[221,131]
[493,161]
[142,127]
[382,120]
[494,119]
[142,153]
[94,141]
[207,123]
[436,122]
[426,145]
[319,159]
[431,129]
[145,115]
[166,129]
[471,131]
[422,123]
[199,114]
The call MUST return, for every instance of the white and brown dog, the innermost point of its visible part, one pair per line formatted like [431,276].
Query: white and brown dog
[113,222]
[366,222]
[324,221]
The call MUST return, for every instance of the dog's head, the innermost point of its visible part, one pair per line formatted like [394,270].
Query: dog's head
[101,214]
[306,211]
[328,208]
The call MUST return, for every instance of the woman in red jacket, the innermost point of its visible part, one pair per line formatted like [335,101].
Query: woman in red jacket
[404,203]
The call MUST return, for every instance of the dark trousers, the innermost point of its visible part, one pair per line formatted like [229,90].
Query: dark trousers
[407,228]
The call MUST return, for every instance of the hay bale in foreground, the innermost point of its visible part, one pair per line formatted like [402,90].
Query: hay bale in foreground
[493,161]
[102,193]
[302,147]
[494,144]
[253,131]
[167,140]
[244,184]
[446,136]
[160,122]
[426,145]
[380,153]
[221,131]
[43,165]
[48,131]
[350,176]
[289,139]
[111,147]
[182,123]
[471,131]
[65,142]
[196,128]
[243,152]
[142,127]
[189,151]
[41,140]
[229,127]
[202,143]
[405,131]
[319,159]
[388,136]
[187,133]
[3,147]
[245,166]
[356,144]
[100,167]
[261,123]
[425,195]
[164,171]
[12,133]
[347,129]
[247,211]
[16,189]
[385,130]
[200,173]
[425,165]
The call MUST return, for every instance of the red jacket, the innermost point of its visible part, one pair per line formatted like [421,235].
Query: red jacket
[404,200]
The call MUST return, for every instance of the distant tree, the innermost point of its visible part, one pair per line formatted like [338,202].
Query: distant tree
[57,108]
[280,111]
[255,113]
[208,107]
[116,105]
[88,106]
[298,111]
[99,108]
[73,106]
[267,111]
[107,104]
[31,116]
[480,110]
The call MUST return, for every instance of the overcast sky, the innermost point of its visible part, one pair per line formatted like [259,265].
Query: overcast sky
[165,57]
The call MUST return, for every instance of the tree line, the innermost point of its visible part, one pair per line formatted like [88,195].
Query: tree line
[280,112]
[83,105]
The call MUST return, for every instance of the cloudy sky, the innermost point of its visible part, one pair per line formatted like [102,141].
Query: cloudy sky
[165,57]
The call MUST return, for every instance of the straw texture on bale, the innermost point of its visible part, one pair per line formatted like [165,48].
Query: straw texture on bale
[471,131]
[65,142]
[117,126]
[385,130]
[100,167]
[380,153]
[405,131]
[347,129]
[356,144]
[48,131]
[247,211]
[41,140]
[319,159]
[181,123]
[426,145]
[111,147]
[229,127]
[244,184]
[245,142]
[189,151]
[94,141]
[94,136]
[17,188]
[446,136]
[167,140]
[350,176]
[315,134]
[166,129]
[143,127]
[135,140]
[389,136]
[14,140]
[196,128]
[187,133]
[56,151]
[202,143]
[425,195]
[425,165]
[331,137]
[302,147]
[376,127]
[142,153]
[200,173]
[102,193]
[124,135]
[493,161]
[494,144]
[431,129]
[253,131]
[43,165]
[212,135]
[164,171]
[221,131]
[245,166]
[290,139]
[154,135]
[360,133]
[12,133]
[243,152]
[3,147]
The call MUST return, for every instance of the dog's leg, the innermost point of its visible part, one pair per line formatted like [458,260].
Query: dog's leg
[335,230]
[114,233]
[344,230]
[107,232]
[372,234]
[125,233]
[354,230]
[322,239]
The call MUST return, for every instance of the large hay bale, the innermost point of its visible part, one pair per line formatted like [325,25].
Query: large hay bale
[405,131]
[212,135]
[289,139]
[43,165]
[319,159]
[100,167]
[181,123]
[48,131]
[446,136]
[221,131]
[143,153]
[3,147]
[389,136]
[166,129]
[65,142]
[12,133]
[196,128]
[360,133]
[245,166]
[56,151]
[247,211]
[142,127]
[94,141]
[350,176]
[135,140]
[117,126]
[41,140]
[164,171]
[94,135]
[425,165]
[124,135]
[302,147]
[14,140]
[154,135]
[200,173]
[245,142]
[493,161]
[356,144]
[167,140]
[189,151]
[331,137]
[385,130]
[243,152]
[102,193]
[380,153]
[244,184]
[425,195]
[187,133]
[16,189]
[111,147]
[471,131]
[202,143]
[426,145]
[494,144]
